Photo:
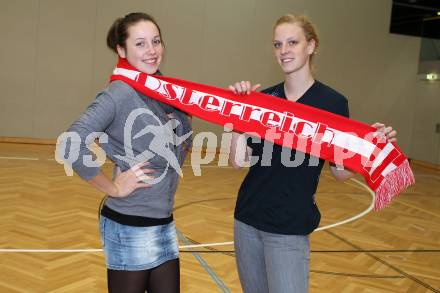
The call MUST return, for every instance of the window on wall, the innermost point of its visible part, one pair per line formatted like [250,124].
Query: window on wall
[416,18]
[420,18]
[429,60]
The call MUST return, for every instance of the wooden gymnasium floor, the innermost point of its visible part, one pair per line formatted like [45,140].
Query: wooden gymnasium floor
[395,250]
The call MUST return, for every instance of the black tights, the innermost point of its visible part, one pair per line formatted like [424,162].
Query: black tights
[162,279]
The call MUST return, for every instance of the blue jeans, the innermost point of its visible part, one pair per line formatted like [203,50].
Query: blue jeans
[271,263]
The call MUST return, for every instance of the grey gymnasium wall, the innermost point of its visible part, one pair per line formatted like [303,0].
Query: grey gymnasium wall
[54,60]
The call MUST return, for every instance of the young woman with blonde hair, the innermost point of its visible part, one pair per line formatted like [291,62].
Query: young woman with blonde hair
[276,209]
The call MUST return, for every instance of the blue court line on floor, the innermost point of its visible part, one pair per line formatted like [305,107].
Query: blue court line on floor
[205,265]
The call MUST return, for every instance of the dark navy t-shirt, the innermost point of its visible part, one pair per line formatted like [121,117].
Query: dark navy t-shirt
[280,199]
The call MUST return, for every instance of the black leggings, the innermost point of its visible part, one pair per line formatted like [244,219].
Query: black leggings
[162,279]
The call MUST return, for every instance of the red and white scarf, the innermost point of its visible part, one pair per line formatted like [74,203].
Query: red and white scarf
[320,133]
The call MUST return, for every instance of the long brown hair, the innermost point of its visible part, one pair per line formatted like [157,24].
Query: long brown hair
[118,32]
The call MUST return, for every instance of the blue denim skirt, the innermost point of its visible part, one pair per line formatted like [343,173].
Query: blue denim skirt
[132,248]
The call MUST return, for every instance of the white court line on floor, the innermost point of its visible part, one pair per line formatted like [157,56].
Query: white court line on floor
[210,166]
[49,250]
[51,159]
[20,158]
[356,217]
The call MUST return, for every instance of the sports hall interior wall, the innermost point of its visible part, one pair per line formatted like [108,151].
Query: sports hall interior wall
[54,59]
